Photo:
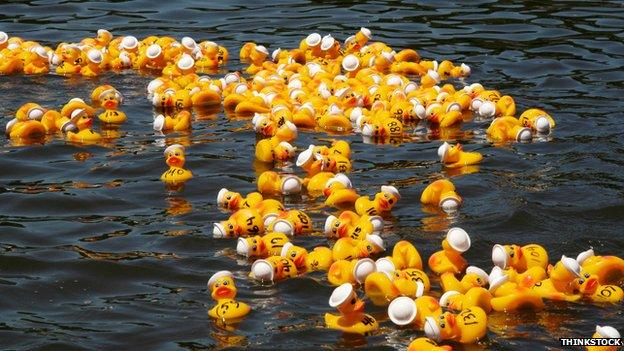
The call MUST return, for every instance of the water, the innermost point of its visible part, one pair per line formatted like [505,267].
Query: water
[97,254]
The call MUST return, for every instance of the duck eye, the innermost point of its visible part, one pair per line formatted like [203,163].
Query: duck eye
[253,248]
[293,254]
[479,280]
[217,285]
[353,301]
[511,254]
[228,197]
[231,226]
[586,275]
[581,281]
[442,325]
[391,201]
[225,283]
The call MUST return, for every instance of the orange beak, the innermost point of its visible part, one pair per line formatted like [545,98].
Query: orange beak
[233,203]
[110,104]
[223,291]
[592,285]
[383,204]
[342,231]
[300,261]
[269,129]
[451,320]
[89,123]
[327,191]
[359,306]
[174,161]
[262,246]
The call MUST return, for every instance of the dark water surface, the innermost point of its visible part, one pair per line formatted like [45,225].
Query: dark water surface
[97,254]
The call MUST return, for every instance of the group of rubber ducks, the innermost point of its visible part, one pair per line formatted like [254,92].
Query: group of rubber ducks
[92,56]
[75,119]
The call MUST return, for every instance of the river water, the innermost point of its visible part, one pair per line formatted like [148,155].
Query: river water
[98,254]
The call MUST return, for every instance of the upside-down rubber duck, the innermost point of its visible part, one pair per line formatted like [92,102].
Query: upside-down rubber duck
[538,120]
[108,98]
[466,327]
[265,246]
[382,203]
[475,277]
[442,194]
[26,123]
[454,156]
[273,268]
[450,259]
[223,290]
[233,201]
[426,344]
[406,311]
[508,129]
[404,255]
[319,259]
[270,182]
[508,296]
[477,296]
[352,318]
[244,222]
[180,122]
[348,248]
[519,258]
[605,332]
[609,269]
[353,272]
[175,159]
[382,287]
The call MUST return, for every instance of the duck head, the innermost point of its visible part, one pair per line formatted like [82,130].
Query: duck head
[229,199]
[222,286]
[30,111]
[296,254]
[252,246]
[388,197]
[174,156]
[345,300]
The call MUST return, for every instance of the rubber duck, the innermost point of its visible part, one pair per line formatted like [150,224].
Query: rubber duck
[503,106]
[350,224]
[443,115]
[339,191]
[475,277]
[384,128]
[527,278]
[270,244]
[404,255]
[36,61]
[508,129]
[26,123]
[315,185]
[70,59]
[348,249]
[538,120]
[293,222]
[223,290]
[406,311]
[109,98]
[270,182]
[454,156]
[10,63]
[449,259]
[80,118]
[179,122]
[426,344]
[274,150]
[352,318]
[467,327]
[92,60]
[441,193]
[175,159]
[273,268]
[609,269]
[319,259]
[588,286]
[382,288]
[457,301]
[244,222]
[519,258]
[546,290]
[353,272]
[233,201]
[509,296]
[605,332]
[383,202]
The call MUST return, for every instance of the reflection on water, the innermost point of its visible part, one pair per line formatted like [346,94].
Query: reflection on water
[99,254]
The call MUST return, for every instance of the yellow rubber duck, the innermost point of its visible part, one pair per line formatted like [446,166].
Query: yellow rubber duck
[352,318]
[36,61]
[475,277]
[527,278]
[274,150]
[605,332]
[546,290]
[477,296]
[405,311]
[508,129]
[315,185]
[383,202]
[273,268]
[265,246]
[449,259]
[520,258]
[175,159]
[81,120]
[339,191]
[538,120]
[444,116]
[381,287]
[441,193]
[353,272]
[426,344]
[92,60]
[70,58]
[384,128]
[404,255]
[509,296]
[319,259]
[454,156]
[180,122]
[293,222]
[109,99]
[270,182]
[26,123]
[609,269]
[223,290]
[467,327]
[233,201]
[348,248]
[589,286]
[339,227]
[244,222]
[564,273]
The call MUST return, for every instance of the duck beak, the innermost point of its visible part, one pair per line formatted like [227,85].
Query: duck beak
[233,203]
[174,161]
[359,306]
[110,104]
[592,285]
[223,291]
